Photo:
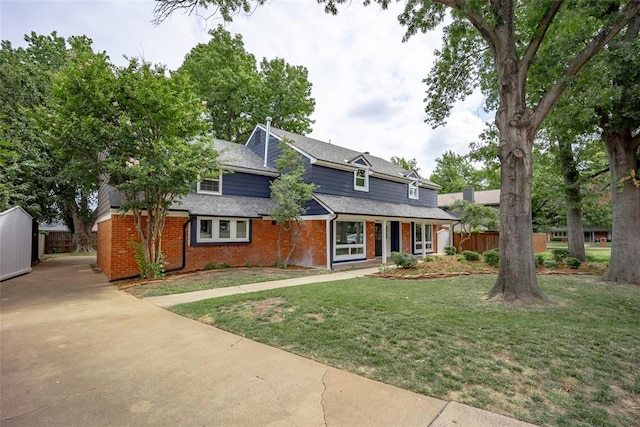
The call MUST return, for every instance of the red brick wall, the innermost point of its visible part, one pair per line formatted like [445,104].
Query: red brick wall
[104,247]
[116,256]
[406,238]
[371,240]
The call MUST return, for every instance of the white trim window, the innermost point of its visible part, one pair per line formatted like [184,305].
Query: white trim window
[361,180]
[221,230]
[210,186]
[413,191]
[417,238]
[350,240]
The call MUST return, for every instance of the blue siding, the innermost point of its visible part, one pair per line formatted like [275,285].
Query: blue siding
[340,183]
[256,144]
[245,184]
[315,208]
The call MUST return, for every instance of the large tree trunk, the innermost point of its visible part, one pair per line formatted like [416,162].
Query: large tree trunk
[81,227]
[517,279]
[574,201]
[625,244]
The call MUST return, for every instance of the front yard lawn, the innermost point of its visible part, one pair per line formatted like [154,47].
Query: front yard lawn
[211,279]
[574,363]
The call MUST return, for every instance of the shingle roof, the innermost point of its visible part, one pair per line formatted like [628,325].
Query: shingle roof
[482,197]
[232,206]
[210,205]
[239,155]
[357,206]
[340,155]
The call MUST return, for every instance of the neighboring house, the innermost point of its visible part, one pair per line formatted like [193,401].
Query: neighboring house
[483,197]
[363,208]
[591,233]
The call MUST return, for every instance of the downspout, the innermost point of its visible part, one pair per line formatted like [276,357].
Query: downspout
[184,256]
[266,141]
[330,241]
[184,248]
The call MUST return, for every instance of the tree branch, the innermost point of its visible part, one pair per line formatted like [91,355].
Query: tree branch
[538,37]
[598,42]
[487,31]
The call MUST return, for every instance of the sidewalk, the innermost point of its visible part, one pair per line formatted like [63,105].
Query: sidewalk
[169,300]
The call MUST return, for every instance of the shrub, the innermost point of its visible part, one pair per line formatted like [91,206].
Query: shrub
[471,255]
[404,260]
[450,250]
[492,257]
[550,263]
[572,262]
[560,255]
[215,266]
[461,258]
[539,259]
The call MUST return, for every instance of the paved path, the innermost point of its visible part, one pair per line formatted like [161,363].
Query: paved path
[77,352]
[169,300]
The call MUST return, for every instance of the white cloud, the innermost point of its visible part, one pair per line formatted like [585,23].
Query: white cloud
[366,82]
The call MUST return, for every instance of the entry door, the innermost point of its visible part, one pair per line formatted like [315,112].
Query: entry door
[378,233]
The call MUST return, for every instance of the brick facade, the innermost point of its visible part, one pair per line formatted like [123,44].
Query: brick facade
[116,255]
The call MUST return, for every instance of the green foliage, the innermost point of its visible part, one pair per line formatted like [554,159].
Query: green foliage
[573,263]
[492,257]
[471,255]
[148,270]
[450,250]
[453,172]
[550,263]
[289,193]
[560,254]
[410,165]
[404,260]
[215,266]
[539,259]
[238,95]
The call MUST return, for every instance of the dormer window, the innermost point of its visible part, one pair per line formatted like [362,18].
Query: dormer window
[361,180]
[210,186]
[413,190]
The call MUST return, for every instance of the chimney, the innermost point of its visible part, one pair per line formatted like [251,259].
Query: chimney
[266,141]
[467,194]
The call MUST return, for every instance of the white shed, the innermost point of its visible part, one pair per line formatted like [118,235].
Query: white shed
[15,242]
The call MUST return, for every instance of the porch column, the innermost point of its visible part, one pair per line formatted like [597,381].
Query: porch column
[384,242]
[424,240]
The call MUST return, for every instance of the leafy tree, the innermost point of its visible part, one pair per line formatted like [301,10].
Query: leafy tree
[285,96]
[289,193]
[238,95]
[26,175]
[494,45]
[156,153]
[453,172]
[474,217]
[75,141]
[410,165]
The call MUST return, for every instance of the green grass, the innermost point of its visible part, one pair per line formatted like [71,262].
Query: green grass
[218,279]
[593,251]
[574,363]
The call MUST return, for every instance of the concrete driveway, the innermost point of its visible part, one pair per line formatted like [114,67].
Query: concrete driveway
[75,351]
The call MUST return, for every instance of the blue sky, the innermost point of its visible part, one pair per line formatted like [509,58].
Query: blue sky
[366,82]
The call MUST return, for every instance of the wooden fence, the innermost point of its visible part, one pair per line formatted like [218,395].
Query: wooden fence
[56,242]
[481,242]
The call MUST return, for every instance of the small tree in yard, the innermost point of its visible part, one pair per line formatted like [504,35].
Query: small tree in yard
[156,155]
[474,217]
[289,193]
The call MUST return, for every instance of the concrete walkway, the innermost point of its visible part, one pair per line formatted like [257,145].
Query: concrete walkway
[77,352]
[169,300]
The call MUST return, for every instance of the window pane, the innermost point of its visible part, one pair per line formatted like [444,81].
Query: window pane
[224,229]
[342,251]
[241,230]
[206,229]
[359,250]
[361,178]
[212,185]
[418,233]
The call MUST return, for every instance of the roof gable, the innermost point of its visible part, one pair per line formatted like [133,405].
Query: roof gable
[341,157]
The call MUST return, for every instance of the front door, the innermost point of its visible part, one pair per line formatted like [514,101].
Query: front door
[378,236]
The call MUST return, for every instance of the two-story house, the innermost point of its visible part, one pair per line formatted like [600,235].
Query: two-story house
[363,208]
